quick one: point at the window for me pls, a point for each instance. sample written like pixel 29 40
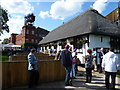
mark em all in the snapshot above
pixel 33 32
pixel 23 32
pixel 27 32
pixel 117 11
pixel 32 40
pixel 36 41
pixel 117 15
pixel 27 40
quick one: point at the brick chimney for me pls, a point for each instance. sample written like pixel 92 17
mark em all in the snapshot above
pixel 13 38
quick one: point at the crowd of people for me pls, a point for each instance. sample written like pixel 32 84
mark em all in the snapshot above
pixel 107 62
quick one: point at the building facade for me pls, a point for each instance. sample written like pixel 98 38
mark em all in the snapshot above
pixel 29 34
pixel 114 15
pixel 86 31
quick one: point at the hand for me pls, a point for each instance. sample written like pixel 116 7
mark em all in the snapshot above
pixel 33 66
pixel 103 68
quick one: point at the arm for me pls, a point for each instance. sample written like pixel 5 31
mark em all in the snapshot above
pixel 71 58
pixel 31 60
pixel 117 62
pixel 103 63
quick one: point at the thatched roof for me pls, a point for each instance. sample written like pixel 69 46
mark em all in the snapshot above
pixel 89 22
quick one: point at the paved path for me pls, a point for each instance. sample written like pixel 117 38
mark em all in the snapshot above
pixel 78 83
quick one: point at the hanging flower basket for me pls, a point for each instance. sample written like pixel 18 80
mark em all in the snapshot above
pixel 60 44
pixel 54 44
pixel 81 41
pixel 71 42
pixel 64 43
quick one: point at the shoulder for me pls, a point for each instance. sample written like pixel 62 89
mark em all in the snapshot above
pixel 86 56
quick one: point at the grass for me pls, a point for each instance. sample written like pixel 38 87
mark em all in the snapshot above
pixel 5 58
pixel 118 75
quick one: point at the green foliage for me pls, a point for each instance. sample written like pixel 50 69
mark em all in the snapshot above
pixel 81 41
pixel 3 20
pixel 5 58
pixel 118 75
pixel 5 41
pixel 29 45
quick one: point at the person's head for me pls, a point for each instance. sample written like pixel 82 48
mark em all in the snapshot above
pixel 32 50
pixel 89 51
pixel 102 49
pixel 93 49
pixel 111 49
pixel 67 46
pixel 75 56
pixel 59 51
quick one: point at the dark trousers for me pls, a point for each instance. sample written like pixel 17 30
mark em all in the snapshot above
pixel 76 68
pixel 113 79
pixel 99 67
pixel 33 78
pixel 88 74
pixel 68 70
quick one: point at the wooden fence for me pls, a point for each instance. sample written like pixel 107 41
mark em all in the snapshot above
pixel 15 73
pixel 23 56
pixel 15 58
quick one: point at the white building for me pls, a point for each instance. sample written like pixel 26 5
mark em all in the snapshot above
pixel 86 31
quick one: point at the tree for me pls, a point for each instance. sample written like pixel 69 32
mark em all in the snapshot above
pixel 3 20
pixel 6 41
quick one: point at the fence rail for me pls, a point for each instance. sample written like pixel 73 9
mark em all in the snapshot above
pixel 13 58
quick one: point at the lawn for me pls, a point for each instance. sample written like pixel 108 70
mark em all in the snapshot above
pixel 118 75
pixel 5 58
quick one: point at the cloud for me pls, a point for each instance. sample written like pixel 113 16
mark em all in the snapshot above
pixel 17 9
pixel 62 9
pixel 44 14
pixel 15 26
pixel 100 5
pixel 17 6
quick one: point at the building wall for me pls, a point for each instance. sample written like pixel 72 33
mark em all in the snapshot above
pixel 30 34
pixel 20 39
pixel 99 41
pixel 114 15
pixel 13 38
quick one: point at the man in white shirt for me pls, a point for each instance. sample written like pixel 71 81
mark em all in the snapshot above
pixel 109 64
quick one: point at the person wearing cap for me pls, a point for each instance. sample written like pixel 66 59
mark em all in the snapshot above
pixel 66 58
pixel 33 69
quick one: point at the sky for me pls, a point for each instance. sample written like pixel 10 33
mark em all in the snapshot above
pixel 50 13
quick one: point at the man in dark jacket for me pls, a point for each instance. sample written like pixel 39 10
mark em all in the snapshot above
pixel 101 54
pixel 66 58
pixel 33 69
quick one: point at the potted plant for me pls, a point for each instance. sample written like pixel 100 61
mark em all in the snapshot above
pixel 71 42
